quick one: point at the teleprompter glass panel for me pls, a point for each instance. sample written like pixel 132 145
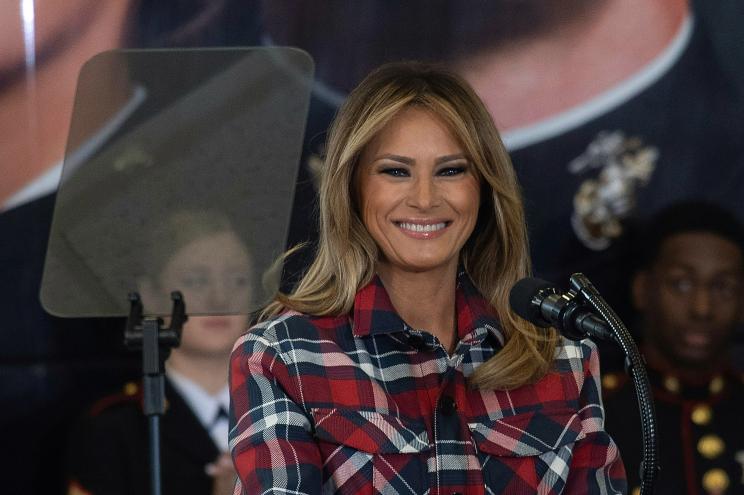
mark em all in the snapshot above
pixel 179 174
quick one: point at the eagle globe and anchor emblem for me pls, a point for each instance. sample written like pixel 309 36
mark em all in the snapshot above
pixel 624 164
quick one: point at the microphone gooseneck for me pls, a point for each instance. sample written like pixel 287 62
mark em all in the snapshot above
pixel 635 366
pixel 573 314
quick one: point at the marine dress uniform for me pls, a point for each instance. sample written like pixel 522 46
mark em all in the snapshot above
pixel 109 448
pixel 701 432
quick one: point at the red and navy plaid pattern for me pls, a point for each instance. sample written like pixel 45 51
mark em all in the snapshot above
pixel 368 405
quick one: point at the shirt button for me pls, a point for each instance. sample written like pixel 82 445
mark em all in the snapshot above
pixel 448 405
pixel 456 493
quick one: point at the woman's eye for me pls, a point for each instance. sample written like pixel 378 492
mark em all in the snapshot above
pixel 395 171
pixel 451 171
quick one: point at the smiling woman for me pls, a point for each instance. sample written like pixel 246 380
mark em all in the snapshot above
pixel 415 184
pixel 390 366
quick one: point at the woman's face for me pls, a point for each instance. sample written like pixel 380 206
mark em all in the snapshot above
pixel 418 193
pixel 214 274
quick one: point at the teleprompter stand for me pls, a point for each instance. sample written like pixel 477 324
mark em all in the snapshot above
pixel 155 341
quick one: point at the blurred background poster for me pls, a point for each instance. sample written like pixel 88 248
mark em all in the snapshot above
pixel 611 109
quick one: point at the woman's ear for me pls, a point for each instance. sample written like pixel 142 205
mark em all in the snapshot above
pixel 640 290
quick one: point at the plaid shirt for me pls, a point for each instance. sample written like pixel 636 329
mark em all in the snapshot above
pixel 369 405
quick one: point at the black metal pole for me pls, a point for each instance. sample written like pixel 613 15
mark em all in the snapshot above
pixel 154 394
pixel 155 342
pixel 154 440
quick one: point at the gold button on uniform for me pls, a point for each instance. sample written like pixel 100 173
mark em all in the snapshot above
pixel 701 414
pixel 716 385
pixel 715 481
pixel 636 491
pixel 711 446
pixel 671 383
pixel 130 388
pixel 610 381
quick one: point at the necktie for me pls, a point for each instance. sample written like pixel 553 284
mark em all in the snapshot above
pixel 219 428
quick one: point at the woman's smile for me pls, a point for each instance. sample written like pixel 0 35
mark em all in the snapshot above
pixel 422 229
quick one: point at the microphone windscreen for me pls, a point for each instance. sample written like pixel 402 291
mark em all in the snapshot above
pixel 520 299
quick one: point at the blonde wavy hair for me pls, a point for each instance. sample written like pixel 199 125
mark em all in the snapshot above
pixel 496 254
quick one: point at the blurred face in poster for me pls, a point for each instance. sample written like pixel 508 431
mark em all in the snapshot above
pixel 348 39
pixel 527 59
pixel 34 31
pixel 45 42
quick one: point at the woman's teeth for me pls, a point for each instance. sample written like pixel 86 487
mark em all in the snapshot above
pixel 417 227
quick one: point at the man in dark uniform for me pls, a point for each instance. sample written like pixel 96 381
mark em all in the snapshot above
pixel 109 454
pixel 108 451
pixel 688 291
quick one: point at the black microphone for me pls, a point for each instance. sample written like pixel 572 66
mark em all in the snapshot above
pixel 544 305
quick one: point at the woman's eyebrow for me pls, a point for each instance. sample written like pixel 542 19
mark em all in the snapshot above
pixel 450 158
pixel 410 161
pixel 396 158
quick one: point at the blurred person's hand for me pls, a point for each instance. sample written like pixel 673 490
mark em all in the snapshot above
pixel 223 474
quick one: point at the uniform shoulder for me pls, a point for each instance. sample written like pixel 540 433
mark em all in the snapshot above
pixel 128 398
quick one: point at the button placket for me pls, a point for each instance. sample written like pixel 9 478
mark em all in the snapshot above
pixel 448 434
pixel 447 405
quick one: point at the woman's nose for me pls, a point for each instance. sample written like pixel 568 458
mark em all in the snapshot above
pixel 424 194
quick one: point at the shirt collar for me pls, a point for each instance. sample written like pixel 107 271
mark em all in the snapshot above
pixel 204 405
pixel 374 312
